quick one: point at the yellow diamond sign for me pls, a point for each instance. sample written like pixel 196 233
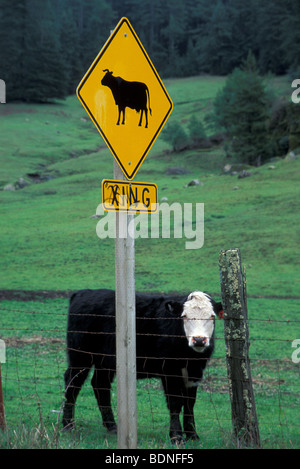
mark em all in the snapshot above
pixel 125 98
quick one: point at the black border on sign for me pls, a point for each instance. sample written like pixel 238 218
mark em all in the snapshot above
pixel 124 20
pixel 129 183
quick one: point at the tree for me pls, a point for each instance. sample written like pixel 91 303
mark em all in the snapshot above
pixel 272 56
pixel 95 20
pixel 44 74
pixel 175 135
pixel 30 60
pixel 197 133
pixel 290 34
pixel 70 51
pixel 12 38
pixel 218 54
pixel 241 108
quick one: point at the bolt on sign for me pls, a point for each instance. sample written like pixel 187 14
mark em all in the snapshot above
pixel 125 98
pixel 125 196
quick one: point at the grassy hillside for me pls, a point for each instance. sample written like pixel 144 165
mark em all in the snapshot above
pixel 48 238
pixel 49 242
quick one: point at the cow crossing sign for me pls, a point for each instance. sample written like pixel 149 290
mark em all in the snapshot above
pixel 125 98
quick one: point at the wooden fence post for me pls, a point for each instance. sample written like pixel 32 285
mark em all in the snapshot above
pixel 233 287
pixel 2 413
pixel 2 360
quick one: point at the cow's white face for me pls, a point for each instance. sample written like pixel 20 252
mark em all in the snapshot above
pixel 198 315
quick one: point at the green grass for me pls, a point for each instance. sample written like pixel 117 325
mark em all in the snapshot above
pixel 47 229
pixel 63 129
pixel 49 242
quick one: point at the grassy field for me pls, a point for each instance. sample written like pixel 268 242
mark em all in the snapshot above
pixel 49 244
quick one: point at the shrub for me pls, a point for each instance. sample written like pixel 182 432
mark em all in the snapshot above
pixel 175 135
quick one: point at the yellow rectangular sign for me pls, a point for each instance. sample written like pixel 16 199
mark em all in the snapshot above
pixel 126 196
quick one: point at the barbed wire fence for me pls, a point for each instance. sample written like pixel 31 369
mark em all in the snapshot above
pixel 33 387
pixel 33 390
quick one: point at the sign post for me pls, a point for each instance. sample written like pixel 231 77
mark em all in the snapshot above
pixel 129 105
pixel 125 329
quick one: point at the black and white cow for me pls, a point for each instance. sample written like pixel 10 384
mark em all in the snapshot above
pixel 175 339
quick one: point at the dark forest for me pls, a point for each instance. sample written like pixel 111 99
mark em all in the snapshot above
pixel 47 45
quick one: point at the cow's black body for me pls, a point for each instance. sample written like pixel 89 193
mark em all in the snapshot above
pixel 162 352
pixel 132 94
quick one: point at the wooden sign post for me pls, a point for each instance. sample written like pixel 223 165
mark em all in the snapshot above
pixel 125 329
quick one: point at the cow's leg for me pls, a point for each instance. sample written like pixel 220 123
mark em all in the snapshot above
pixel 119 116
pixel 101 383
pixel 175 402
pixel 121 111
pixel 188 418
pixel 74 379
pixel 141 117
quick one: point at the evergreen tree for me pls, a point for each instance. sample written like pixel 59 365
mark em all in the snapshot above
pixel 12 38
pixel 173 36
pixel 44 70
pixel 269 39
pixel 290 35
pixel 95 21
pixel 70 51
pixel 197 132
pixel 241 108
pixel 218 54
pixel 175 135
pixel 149 20
pixel 30 56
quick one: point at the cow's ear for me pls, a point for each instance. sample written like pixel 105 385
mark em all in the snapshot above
pixel 218 308
pixel 174 307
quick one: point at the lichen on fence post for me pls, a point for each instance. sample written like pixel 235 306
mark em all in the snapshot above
pixel 233 288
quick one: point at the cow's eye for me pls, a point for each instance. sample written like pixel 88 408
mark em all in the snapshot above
pixel 183 315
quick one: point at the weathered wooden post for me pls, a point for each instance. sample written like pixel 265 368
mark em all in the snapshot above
pixel 125 329
pixel 233 287
pixel 2 360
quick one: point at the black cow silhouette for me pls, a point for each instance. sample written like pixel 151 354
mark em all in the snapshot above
pixel 131 94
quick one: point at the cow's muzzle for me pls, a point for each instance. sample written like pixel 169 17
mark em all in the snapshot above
pixel 199 341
